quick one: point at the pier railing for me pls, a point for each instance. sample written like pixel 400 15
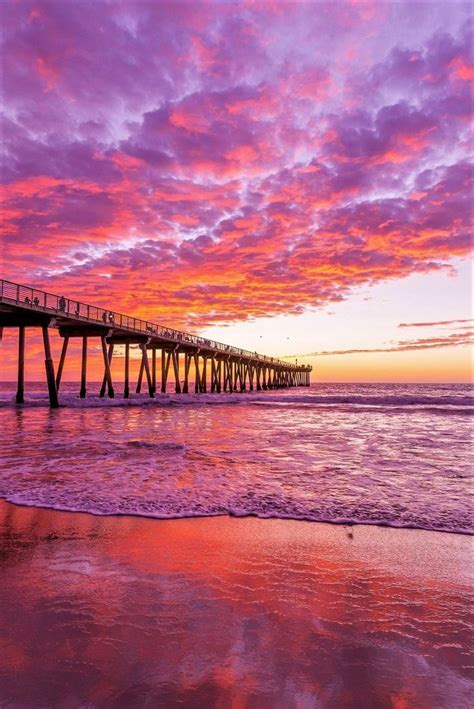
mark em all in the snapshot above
pixel 42 301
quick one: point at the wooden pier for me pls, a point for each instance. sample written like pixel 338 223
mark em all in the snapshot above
pixel 223 367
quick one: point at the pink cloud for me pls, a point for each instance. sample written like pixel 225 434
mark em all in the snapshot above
pixel 233 160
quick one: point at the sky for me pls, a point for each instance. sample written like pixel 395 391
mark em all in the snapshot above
pixel 292 178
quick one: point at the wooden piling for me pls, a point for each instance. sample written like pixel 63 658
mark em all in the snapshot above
pixel 165 365
pixel 20 389
pixel 214 374
pixel 230 368
pixel 204 375
pixel 225 372
pixel 197 379
pixel 147 370
pixel 82 392
pixel 243 376
pixel 62 359
pixel 153 369
pixel 224 377
pixel 140 376
pixel 187 367
pixel 107 381
pixel 49 367
pixel 126 386
pixel 175 357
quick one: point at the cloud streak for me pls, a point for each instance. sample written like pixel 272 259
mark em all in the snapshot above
pixel 453 340
pixel 436 323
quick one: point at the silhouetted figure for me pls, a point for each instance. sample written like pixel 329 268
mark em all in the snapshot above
pixel 62 303
pixel 36 301
pixel 78 309
pixel 111 317
pixel 27 300
pixel 104 316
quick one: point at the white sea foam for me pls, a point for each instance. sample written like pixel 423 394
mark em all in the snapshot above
pixel 270 398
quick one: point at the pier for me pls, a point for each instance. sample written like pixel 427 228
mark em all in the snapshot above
pixel 216 367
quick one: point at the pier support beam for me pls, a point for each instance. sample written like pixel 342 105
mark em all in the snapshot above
pixel 187 366
pixel 20 389
pixel 215 379
pixel 175 357
pixel 49 367
pixel 204 375
pixel 146 367
pixel 165 365
pixel 82 392
pixel 243 379
pixel 213 374
pixel 228 375
pixel 140 376
pixel 153 369
pixel 107 380
pixel 126 385
pixel 197 374
pixel 62 359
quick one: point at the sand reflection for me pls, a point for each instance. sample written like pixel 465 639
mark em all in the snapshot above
pixel 125 611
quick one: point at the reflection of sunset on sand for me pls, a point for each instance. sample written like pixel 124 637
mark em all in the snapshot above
pixel 209 613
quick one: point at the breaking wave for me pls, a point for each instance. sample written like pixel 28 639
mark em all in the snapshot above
pixel 448 404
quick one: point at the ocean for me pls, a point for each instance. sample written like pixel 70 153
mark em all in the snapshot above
pixel 377 454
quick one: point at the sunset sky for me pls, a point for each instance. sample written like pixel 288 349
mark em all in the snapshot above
pixel 291 178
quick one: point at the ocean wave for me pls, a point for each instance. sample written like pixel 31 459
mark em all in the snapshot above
pixel 160 446
pixel 448 404
pixel 164 514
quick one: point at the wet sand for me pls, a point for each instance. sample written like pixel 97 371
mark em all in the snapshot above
pixel 225 612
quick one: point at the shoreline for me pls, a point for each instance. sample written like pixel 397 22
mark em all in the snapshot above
pixel 337 523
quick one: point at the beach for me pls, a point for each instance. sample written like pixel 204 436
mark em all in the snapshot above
pixel 177 551
pixel 125 611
